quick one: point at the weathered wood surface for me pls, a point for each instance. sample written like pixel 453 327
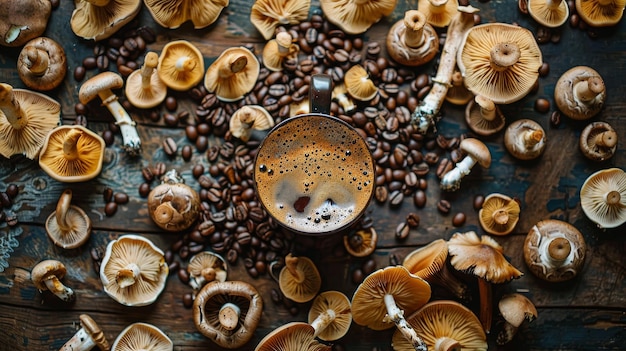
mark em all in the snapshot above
pixel 587 313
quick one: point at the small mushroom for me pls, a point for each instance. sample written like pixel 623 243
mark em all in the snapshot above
pixel 28 117
pixel 42 64
pixel 21 21
pixel 133 271
pixel 233 74
pixel 340 94
pixel 499 214
pixel 299 280
pixel 102 85
pixel 515 309
pixel 483 116
pixel 360 243
pixel 173 205
pixel 457 93
pixel 294 336
pixel 181 65
pixel 47 275
pixel 267 15
pixel 359 85
pixel 228 312
pixel 171 14
pixel 603 197
pixel 549 13
pixel 412 41
pixel 330 315
pixel 525 139
pixel 142 337
pixel 68 226
pixel 144 88
pixel 72 153
pixel 205 267
pixel 356 17
pixel 438 13
pixel 250 118
pixel 279 49
pixel 87 337
pixel 580 93
pixel 99 19
pixel 477 152
pixel 598 141
pixel 600 13
pixel 385 296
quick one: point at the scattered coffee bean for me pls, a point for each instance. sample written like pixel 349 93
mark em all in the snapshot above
pixel 110 208
pixel 459 219
pixel 542 105
pixel 555 119
pixel 120 198
pixel 444 206
pixel 478 202
pixel 402 231
pixel 169 146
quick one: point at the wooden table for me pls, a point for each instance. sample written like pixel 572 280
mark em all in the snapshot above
pixel 587 313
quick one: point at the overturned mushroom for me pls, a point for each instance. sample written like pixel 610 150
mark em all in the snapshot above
pixel 233 74
pixel 142 337
pixel 412 41
pixel 580 93
pixel 476 152
pixel 181 65
pixel 355 17
pixel 87 337
pixel 42 64
pixel 525 139
pixel 457 92
pixel 294 336
pixel 99 19
pixel 483 116
pixel 171 14
pixel 361 242
pixel 299 280
pixel 438 13
pixel 205 267
pixel 250 118
pixel 359 85
pixel 330 315
pixel 515 309
pixel 499 214
pixel 598 141
pixel 600 13
pixel 144 88
pixel 173 205
pixel 68 226
pixel 603 197
pixel 267 15
pixel 549 13
pixel 279 49
pixel 21 21
pixel 47 275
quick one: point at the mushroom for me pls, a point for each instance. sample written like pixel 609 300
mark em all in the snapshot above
pixel 457 92
pixel 47 275
pixel 87 337
pixel 603 197
pixel 580 93
pixel 72 153
pixel 181 65
pixel 340 94
pixel 598 141
pixel 330 315
pixel 250 118
pixel 482 257
pixel 483 116
pixel 42 64
pixel 500 61
pixel 549 13
pixel 445 326
pixel 429 263
pixel 233 74
pixel 600 13
pixel 476 152
pixel 359 85
pixel 299 280
pixel 144 88
pixel 21 21
pixel 525 139
pixel 294 336
pixel 99 19
pixel 101 85
pixel 133 270
pixel 355 17
pixel 142 337
pixel 361 242
pixel 205 267
pixel 515 309
pixel 438 13
pixel 171 14
pixel 26 117
pixel 267 15
pixel 385 296
pixel 412 41
pixel 228 312
pixel 68 226
pixel 499 214
pixel 277 50
pixel 173 205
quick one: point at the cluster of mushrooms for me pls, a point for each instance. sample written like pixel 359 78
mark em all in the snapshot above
pixel 481 67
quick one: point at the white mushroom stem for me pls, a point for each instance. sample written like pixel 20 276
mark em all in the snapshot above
pixel 531 137
pixel 185 64
pixel 63 207
pixel 323 320
pixel 588 89
pixel 11 108
pixel 447 344
pixel 229 316
pixel 396 315
pixel 452 179
pixel 486 309
pixel 81 341
pixel 36 60
pixel 128 275
pixel 414 21
pixel 59 289
pixel 427 113
pixel 130 137
pixel 606 139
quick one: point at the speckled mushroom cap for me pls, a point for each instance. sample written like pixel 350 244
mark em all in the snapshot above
pixel 21 21
pixel 42 64
pixel 549 13
pixel 266 15
pixel 294 336
pixel 173 205
pixel 355 17
pixel 68 226
pixel 525 139
pixel 603 197
pixel 580 93
pixel 598 141
pixel 598 13
pixel 97 20
pixel 438 13
pixel 171 14
pixel 181 65
pixel 142 336
pixel 499 214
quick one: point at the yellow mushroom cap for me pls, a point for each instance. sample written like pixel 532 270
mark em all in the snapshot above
pixel 144 88
pixel 597 13
pixel 499 214
pixel 355 17
pixel 93 22
pixel 294 336
pixel 171 14
pixel 299 280
pixel 266 15
pixel 428 260
pixel 68 226
pixel 331 307
pixel 549 13
pixel 181 65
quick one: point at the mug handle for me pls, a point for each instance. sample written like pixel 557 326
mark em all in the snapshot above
pixel 320 93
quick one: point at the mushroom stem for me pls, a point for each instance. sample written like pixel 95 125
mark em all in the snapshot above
pixel 504 55
pixel 447 344
pixel 57 288
pixel 36 60
pixel 486 297
pixel 452 179
pixel 63 208
pixel 164 213
pixel 414 21
pixel 11 107
pixel 506 334
pixel 130 137
pixel 427 113
pixel 606 139
pixel 487 107
pixel 587 90
pixel 70 144
pixel 283 41
pixel 396 315
pixel 323 320
pixel 185 64
pixel 229 316
pixel 149 64
pixel 500 216
pixel 613 198
pixel 291 263
pixel 128 275
pixel 559 249
pixel 532 137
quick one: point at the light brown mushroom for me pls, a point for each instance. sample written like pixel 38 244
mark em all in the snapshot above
pixel 457 93
pixel 299 280
pixel 340 94
pixel 598 141
pixel 133 271
pixel 21 21
pixel 330 315
pixel 525 139
pixel 171 14
pixel 600 13
pixel 580 93
pixel 205 267
pixel 483 116
pixel 27 118
pixel 233 74
pixel 99 19
pixel 267 15
pixel 515 309
pixel 279 49
pixel 144 88
pixel 294 336
pixel 476 152
pixel 355 17
pixel 173 205
pixel 181 65
pixel 360 243
pixel 68 226
pixel 412 41
pixel 439 13
pixel 499 214
pixel 89 335
pixel 359 85
pixel 549 13
pixel 42 64
pixel 248 119
pixel 72 153
pixel 142 336
pixel 47 275
pixel 603 197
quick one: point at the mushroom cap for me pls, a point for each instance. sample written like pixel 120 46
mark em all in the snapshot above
pixel 409 291
pixel 518 146
pixel 100 82
pixel 499 214
pixel 21 21
pixel 554 250
pixel 41 113
pixel 207 260
pixel 46 269
pixel 364 245
pixel 129 250
pixel 171 14
pixel 94 331
pixel 247 118
pixel 598 141
pixel 68 226
pixel 566 98
pixel 304 285
pixel 294 336
pixel 438 13
pixel 173 205
pixel 181 65
pixel 549 13
pixel 603 197
pixel 148 96
pixel 427 261
pixel 515 308
pixel 477 150
pixel 266 15
pixel 477 121
pixel 399 45
pixel 94 22
pixel 359 85
pixel 458 94
pixel 598 13
pixel 444 319
pixel 55 70
pixel 233 74
pixel 72 153
pixel 340 305
pixel 482 257
pixel 355 17
pixel 501 82
pixel 142 336
pixel 208 304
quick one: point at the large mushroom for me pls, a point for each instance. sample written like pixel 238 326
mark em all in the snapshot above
pixel 385 296
pixel 173 205
pixel 499 214
pixel 233 74
pixel 89 335
pixel 144 88
pixel 68 226
pixel 21 21
pixel 228 312
pixel 205 267
pixel 26 117
pixel 515 309
pixel 181 65
pixel 299 280
pixel 580 93
pixel 483 116
pixel 142 337
pixel 171 14
pixel 598 141
pixel 525 139
pixel 42 64
pixel 438 13
pixel 356 16
pixel 600 13
pixel 47 275
pixel 603 197
pixel 248 119
pixel 412 41
pixel 99 19
pixel 294 336
pixel 330 315
pixel 476 152
pixel 267 15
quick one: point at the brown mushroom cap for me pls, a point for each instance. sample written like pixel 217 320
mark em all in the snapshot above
pixel 21 21
pixel 514 308
pixel 294 336
pixel 525 139
pixel 233 74
pixel 330 312
pixel 598 141
pixel 90 89
pixel 598 13
pixel 477 150
pixel 603 197
pixel 361 243
pixel 144 88
pixel 171 14
pixel 483 116
pixel 411 41
pixel 42 64
pixel 266 15
pixel 500 61
pixel 299 280
pixel 97 20
pixel 499 214
pixel 248 118
pixel 549 13
pixel 359 85
pixel 438 13
pixel 355 17
pixel 68 226
pixel 173 205
pixel 142 336
pixel 205 267
pixel 181 65
pixel 580 93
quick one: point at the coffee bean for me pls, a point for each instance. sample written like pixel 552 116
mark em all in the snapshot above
pixel 107 194
pixel 169 146
pixel 144 189
pixel 102 62
pixel 12 190
pixel 368 266
pixel 419 198
pixel 202 143
pixel 170 120
pixel 396 198
pixel 183 274
pixel 187 300
pixel 159 169
pixel 459 219
pixel 357 276
pixel 413 220
pixel 542 105
pixel 444 206
pixel 108 137
pixel 120 198
pixel 478 202
pixel 110 208
pixel 544 70
pixel 79 73
pixel 555 119
pixel 381 194
pixel 186 152
pixel 402 231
